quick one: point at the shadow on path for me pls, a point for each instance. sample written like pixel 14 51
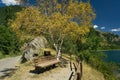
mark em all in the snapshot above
pixel 42 70
pixel 7 72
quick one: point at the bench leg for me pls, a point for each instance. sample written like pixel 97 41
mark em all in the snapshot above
pixel 53 66
pixel 38 69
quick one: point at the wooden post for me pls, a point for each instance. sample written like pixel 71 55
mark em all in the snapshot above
pixel 70 62
pixel 75 67
pixel 71 76
pixel 78 76
pixel 78 69
pixel 81 68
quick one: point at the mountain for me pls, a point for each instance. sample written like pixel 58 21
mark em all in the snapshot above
pixel 112 41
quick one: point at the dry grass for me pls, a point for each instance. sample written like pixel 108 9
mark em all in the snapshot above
pixel 23 72
pixel 91 74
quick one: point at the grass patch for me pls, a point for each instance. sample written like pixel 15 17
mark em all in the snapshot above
pixel 10 55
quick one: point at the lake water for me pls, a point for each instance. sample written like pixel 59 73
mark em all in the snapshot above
pixel 113 55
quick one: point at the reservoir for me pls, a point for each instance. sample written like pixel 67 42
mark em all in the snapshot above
pixel 112 56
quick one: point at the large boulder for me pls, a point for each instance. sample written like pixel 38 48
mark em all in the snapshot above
pixel 32 48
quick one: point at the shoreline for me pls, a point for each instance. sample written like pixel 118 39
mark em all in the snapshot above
pixel 110 50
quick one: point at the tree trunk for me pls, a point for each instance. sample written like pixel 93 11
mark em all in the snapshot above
pixel 70 62
pixel 58 49
pixel 58 54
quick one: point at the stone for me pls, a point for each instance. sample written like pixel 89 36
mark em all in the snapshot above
pixel 32 48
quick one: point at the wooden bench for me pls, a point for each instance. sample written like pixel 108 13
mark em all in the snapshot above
pixel 43 62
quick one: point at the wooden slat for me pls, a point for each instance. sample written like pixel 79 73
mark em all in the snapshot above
pixel 71 75
pixel 48 63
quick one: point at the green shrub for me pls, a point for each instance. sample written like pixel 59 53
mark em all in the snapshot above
pixel 96 60
pixel 8 41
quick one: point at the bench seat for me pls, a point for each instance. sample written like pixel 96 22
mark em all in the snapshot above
pixel 48 63
pixel 43 62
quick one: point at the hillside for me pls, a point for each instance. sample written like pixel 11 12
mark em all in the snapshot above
pixel 7 13
pixel 84 48
pixel 9 44
pixel 112 41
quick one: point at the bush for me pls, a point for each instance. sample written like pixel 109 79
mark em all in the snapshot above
pixel 96 60
pixel 8 41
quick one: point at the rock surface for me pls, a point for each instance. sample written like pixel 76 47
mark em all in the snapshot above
pixel 32 48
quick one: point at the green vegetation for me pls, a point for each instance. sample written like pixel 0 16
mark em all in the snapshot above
pixel 54 21
pixel 95 41
pixel 7 13
pixel 88 52
pixel 113 41
pixel 67 31
pixel 9 44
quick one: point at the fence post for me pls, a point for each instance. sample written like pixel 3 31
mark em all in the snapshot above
pixel 70 62
pixel 81 68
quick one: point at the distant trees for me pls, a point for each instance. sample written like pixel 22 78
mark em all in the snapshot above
pixel 7 13
pixel 8 42
pixel 113 40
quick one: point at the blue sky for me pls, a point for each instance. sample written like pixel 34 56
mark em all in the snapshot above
pixel 108 15
pixel 107 11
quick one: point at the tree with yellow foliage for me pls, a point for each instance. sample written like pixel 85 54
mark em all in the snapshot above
pixel 58 21
pixel 27 23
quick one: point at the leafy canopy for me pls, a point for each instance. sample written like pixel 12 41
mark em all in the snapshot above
pixel 55 20
pixel 59 20
pixel 27 23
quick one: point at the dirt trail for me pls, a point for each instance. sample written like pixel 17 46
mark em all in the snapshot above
pixel 7 65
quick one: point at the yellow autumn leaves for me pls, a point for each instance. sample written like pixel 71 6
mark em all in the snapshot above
pixel 27 22
pixel 31 22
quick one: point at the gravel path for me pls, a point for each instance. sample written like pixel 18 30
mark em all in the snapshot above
pixel 7 65
pixel 25 72
pixel 57 74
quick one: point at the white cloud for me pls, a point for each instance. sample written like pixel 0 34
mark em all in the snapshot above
pixel 10 2
pixel 95 26
pixel 102 28
pixel 115 30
